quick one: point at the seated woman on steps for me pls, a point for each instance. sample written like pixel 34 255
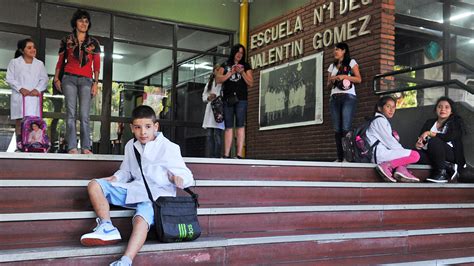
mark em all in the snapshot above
pixel 440 142
pixel 389 155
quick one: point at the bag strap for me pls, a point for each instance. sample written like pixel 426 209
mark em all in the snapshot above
pixel 139 160
pixel 150 196
pixel 376 143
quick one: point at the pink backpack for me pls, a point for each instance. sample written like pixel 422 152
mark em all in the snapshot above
pixel 33 132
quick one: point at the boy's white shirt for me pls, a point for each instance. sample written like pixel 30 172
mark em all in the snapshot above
pixel 161 159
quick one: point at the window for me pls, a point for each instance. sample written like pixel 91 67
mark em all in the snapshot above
pixel 58 17
pixel 143 31
pixel 134 62
pixel 462 17
pixel 21 12
pixel 200 40
pixel 425 9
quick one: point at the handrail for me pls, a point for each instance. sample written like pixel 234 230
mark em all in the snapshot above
pixel 424 86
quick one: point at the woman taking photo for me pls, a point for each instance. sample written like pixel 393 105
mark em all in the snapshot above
pixel 440 142
pixel 343 74
pixel 80 54
pixel 27 78
pixel 236 76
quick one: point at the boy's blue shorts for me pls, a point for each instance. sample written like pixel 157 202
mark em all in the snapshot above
pixel 117 195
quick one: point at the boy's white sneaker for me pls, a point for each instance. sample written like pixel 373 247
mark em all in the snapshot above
pixel 103 234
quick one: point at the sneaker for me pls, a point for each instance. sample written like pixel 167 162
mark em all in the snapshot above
pixel 439 177
pixel 402 174
pixel 124 261
pixel 452 170
pixel 385 170
pixel 103 234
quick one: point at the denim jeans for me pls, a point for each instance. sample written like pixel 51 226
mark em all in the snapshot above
pixel 239 110
pixel 214 142
pixel 343 107
pixel 73 87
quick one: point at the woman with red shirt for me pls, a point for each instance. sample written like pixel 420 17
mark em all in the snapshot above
pixel 81 55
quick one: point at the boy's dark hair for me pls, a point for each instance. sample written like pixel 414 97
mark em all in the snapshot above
pixel 347 55
pixel 143 111
pixel 20 46
pixel 383 101
pixel 78 15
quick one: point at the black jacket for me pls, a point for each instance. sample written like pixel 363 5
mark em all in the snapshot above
pixel 453 134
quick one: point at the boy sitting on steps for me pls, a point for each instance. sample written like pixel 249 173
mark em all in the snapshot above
pixel 164 169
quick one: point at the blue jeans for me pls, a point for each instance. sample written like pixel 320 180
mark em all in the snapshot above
pixel 343 107
pixel 214 142
pixel 73 87
pixel 239 110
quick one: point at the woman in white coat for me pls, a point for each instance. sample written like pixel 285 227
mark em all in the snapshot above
pixel 389 155
pixel 214 130
pixel 27 78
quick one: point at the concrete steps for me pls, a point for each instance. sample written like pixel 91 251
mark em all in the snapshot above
pixel 252 212
pixel 369 248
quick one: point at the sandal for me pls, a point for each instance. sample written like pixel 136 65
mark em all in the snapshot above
pixel 87 151
pixel 73 151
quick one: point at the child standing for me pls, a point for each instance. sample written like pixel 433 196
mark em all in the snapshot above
pixel 27 77
pixel 164 169
pixel 389 155
pixel 212 90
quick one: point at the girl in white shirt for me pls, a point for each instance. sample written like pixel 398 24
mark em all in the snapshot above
pixel 342 76
pixel 214 130
pixel 27 78
pixel 389 155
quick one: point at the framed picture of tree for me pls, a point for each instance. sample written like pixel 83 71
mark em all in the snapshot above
pixel 291 94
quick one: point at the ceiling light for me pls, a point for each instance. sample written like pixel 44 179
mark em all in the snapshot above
pixel 114 56
pixel 461 16
pixel 203 65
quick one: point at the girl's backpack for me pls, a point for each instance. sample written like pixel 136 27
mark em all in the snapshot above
pixel 356 145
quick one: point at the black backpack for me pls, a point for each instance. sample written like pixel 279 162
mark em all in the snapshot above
pixel 356 145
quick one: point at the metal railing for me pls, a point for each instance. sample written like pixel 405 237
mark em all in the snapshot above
pixel 429 83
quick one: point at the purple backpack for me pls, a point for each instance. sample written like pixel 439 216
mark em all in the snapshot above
pixel 33 132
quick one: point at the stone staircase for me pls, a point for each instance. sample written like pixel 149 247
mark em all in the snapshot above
pixel 252 212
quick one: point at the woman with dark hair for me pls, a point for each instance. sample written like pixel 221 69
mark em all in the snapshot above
pixel 389 155
pixel 236 76
pixel 440 142
pixel 343 74
pixel 27 78
pixel 81 55
pixel 214 129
